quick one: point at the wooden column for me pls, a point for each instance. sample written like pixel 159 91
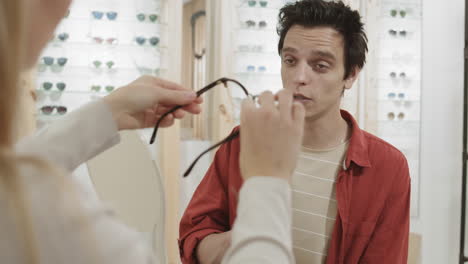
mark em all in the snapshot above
pixel 220 58
pixel 169 139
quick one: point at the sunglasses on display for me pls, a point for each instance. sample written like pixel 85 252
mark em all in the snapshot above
pixel 253 3
pixel 250 24
pixel 98 88
pixel 394 75
pixel 210 86
pixel 149 71
pixel 109 41
pixel 98 15
pixel 391 116
pixel 42 94
pixel 63 37
pixel 395 12
pixel 395 95
pixel 250 48
pixel 47 86
pixel 154 41
pixel 402 33
pixel 142 17
pixel 49 109
pixel 49 61
pixel 251 68
pixel 97 64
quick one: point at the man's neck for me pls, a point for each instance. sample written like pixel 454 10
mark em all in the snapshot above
pixel 327 131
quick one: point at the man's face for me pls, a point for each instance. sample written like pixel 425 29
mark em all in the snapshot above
pixel 313 68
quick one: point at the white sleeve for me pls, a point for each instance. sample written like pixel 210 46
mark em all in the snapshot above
pixel 117 242
pixel 74 227
pixel 262 230
pixel 76 138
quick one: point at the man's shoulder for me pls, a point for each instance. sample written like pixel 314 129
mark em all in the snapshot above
pixel 382 151
pixel 388 163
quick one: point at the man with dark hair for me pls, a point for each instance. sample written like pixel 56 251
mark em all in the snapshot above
pixel 351 190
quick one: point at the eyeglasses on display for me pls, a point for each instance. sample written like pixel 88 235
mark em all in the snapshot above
pixel 98 15
pixel 47 86
pixel 97 64
pixel 252 68
pixel 153 41
pixel 109 41
pixel 396 12
pixel 393 116
pixel 98 88
pixel 251 24
pixel 151 17
pixel 250 48
pixel 402 75
pixel 401 33
pixel 253 3
pixel 63 36
pixel 393 95
pixel 49 61
pixel 49 109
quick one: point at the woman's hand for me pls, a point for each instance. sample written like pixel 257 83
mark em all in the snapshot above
pixel 141 103
pixel 271 135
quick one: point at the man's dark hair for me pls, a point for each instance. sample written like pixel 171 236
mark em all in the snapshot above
pixel 337 15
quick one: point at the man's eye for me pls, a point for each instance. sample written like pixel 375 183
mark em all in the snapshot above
pixel 288 61
pixel 322 66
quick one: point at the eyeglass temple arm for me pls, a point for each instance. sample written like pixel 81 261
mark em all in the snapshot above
pixel 223 81
pixel 155 131
pixel 199 93
pixel 227 139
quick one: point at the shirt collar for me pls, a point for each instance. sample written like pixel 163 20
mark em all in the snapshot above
pixel 358 150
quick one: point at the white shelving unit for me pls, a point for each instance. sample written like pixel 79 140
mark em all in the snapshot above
pixel 98 39
pixel 398 83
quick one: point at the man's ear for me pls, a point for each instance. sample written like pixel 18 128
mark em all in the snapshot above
pixel 349 81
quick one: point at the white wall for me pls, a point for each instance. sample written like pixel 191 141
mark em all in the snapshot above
pixel 442 127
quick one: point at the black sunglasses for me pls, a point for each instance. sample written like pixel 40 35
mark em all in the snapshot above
pixel 232 136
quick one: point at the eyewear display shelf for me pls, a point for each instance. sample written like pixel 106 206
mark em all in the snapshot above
pixel 98 47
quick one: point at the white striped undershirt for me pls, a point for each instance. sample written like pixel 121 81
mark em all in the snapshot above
pixel 314 202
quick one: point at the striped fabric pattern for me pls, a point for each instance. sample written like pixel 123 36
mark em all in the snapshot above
pixel 314 202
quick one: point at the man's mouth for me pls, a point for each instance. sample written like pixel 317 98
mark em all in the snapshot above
pixel 301 97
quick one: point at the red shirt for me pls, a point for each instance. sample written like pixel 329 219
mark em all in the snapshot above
pixel 372 191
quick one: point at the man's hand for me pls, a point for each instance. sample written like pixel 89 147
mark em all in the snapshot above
pixel 271 135
pixel 141 103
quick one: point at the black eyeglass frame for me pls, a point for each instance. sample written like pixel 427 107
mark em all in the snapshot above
pixel 208 87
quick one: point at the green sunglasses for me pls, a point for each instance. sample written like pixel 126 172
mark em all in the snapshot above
pixel 152 17
pixel 47 86
pixel 98 64
pixel 98 88
pixel 395 12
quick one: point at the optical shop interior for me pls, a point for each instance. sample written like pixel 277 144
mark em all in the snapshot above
pixel 381 172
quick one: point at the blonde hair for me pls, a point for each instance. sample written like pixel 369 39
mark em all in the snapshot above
pixel 12 33
pixel 12 48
